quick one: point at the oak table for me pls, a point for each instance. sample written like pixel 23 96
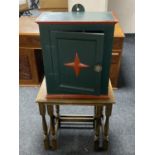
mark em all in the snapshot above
pixel 30 54
pixel 100 119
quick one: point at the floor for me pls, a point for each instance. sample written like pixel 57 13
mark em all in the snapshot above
pixel 80 141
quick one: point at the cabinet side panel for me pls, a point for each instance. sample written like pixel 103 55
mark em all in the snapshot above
pixel 109 31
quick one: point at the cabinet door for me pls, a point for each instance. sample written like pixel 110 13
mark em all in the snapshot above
pixel 76 60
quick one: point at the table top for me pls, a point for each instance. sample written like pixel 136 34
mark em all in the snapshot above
pixel 77 17
pixel 28 26
pixel 41 98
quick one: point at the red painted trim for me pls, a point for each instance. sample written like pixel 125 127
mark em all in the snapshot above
pixel 75 96
pixel 76 23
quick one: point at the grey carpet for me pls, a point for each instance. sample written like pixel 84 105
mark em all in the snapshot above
pixel 80 141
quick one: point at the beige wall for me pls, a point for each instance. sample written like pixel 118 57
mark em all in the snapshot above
pixel 125 11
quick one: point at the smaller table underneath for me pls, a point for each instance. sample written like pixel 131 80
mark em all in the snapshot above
pixel 100 119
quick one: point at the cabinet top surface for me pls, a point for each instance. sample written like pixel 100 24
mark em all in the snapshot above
pixel 76 17
pixel 28 26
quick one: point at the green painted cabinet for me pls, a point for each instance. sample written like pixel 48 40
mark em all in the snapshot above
pixel 77 49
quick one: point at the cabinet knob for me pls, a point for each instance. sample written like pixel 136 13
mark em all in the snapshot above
pixel 98 68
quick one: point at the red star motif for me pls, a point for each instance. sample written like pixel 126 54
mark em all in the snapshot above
pixel 76 65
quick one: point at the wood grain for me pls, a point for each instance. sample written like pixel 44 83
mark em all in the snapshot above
pixel 54 4
pixel 27 67
pixel 75 96
pixel 27 26
pixel 42 110
pixel 30 41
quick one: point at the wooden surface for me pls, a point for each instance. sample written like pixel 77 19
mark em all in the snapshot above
pixel 27 67
pixel 118 31
pixel 53 4
pixel 75 96
pixel 41 98
pixel 30 55
pixel 28 26
pixel 29 39
pixel 23 6
pixel 30 66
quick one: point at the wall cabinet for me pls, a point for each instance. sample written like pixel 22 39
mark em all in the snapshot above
pixel 77 50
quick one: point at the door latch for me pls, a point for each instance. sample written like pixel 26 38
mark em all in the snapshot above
pixel 98 68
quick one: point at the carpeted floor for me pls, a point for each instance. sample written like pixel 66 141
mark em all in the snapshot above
pixel 80 141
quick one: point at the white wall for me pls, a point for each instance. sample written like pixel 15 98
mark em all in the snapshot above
pixel 99 5
pixel 22 1
pixel 125 11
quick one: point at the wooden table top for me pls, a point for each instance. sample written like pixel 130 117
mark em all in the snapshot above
pixel 41 98
pixel 28 26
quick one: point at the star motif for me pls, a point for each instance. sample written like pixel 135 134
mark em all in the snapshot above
pixel 76 65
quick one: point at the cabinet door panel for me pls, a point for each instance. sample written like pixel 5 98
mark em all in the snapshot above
pixel 76 59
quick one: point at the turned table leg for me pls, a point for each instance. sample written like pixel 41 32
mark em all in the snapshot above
pixel 108 111
pixel 42 110
pixel 50 110
pixel 57 116
pixel 98 115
